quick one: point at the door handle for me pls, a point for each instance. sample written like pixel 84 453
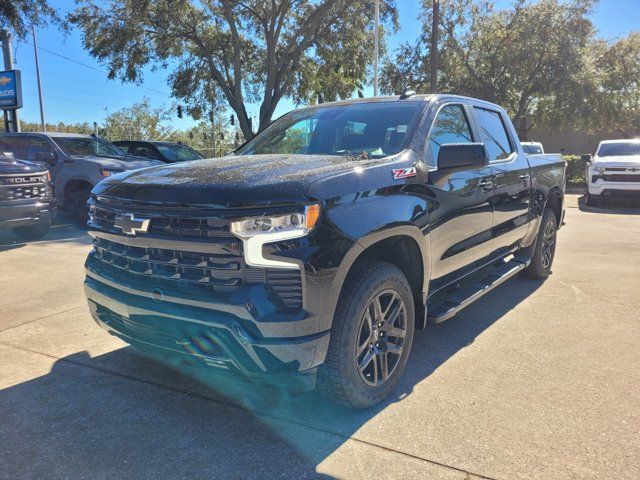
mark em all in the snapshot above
pixel 485 185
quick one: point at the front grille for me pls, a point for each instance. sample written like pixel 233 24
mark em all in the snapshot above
pixel 170 226
pixel 621 178
pixel 18 187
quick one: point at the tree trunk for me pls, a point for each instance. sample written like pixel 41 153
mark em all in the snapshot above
pixel 433 48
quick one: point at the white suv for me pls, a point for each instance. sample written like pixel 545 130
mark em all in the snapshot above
pixel 614 170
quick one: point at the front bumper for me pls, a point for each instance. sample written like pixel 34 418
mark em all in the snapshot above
pixel 242 333
pixel 23 214
pixel 604 187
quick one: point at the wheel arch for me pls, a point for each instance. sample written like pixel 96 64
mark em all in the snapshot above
pixel 397 246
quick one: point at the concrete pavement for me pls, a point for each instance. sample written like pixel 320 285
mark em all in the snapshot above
pixel 536 380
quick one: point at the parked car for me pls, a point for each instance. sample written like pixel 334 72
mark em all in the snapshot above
pixel 532 148
pixel 27 205
pixel 76 162
pixel 316 249
pixel 168 152
pixel 613 171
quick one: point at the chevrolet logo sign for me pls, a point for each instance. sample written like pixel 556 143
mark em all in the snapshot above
pixel 131 225
pixel 4 80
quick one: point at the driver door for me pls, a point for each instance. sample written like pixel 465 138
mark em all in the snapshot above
pixel 460 206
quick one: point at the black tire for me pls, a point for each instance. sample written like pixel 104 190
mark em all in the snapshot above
pixel 339 377
pixel 545 247
pixel 76 205
pixel 32 232
pixel 591 200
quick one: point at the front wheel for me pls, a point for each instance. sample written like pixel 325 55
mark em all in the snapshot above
pixel 545 247
pixel 371 336
pixel 591 200
pixel 76 205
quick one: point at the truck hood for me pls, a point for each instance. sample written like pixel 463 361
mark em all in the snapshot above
pixel 233 181
pixel 117 163
pixel 617 161
pixel 11 166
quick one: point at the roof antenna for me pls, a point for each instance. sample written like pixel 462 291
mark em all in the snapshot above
pixel 408 92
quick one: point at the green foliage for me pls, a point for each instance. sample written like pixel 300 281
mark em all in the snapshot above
pixel 531 58
pixel 242 51
pixel 19 15
pixel 576 170
pixel 56 127
pixel 138 122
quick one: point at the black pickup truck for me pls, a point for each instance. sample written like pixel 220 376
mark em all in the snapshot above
pixel 26 198
pixel 310 255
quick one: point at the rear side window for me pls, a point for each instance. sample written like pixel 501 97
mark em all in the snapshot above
pixel 450 126
pixel 16 146
pixel 124 147
pixel 493 134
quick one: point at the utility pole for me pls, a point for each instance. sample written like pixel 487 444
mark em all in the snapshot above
pixel 376 40
pixel 433 47
pixel 11 121
pixel 35 52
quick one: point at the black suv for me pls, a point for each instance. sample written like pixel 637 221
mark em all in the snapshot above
pixel 168 152
pixel 315 251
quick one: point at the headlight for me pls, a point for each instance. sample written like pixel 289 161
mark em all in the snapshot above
pixel 257 231
pixel 597 170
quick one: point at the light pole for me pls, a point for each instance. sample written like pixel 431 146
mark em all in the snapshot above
pixel 35 52
pixel 376 40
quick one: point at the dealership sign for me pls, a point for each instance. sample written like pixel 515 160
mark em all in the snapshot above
pixel 10 90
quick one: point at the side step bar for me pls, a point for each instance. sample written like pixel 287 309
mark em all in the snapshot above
pixel 467 294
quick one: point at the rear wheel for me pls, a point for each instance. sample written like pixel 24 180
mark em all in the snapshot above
pixel 32 232
pixel 545 248
pixel 371 336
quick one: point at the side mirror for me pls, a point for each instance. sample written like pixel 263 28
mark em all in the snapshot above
pixel 462 156
pixel 585 158
pixel 46 157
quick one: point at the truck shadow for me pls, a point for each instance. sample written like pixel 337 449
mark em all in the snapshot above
pixel 132 415
pixel 617 206
pixel 62 230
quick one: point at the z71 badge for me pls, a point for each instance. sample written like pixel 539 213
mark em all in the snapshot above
pixel 400 173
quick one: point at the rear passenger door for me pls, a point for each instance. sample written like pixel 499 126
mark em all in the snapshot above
pixel 511 177
pixel 460 210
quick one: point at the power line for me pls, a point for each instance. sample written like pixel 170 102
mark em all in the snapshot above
pixel 92 67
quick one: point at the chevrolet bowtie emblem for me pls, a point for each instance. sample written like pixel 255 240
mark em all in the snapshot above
pixel 131 225
pixel 4 80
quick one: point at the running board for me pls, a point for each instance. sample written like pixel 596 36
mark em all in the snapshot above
pixel 465 295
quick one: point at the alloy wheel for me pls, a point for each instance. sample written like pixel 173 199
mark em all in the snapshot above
pixel 381 337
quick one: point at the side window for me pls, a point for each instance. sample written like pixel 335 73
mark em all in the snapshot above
pixel 493 134
pixel 38 145
pixel 124 147
pixel 16 146
pixel 450 126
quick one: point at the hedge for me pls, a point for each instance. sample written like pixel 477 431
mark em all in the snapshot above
pixel 576 169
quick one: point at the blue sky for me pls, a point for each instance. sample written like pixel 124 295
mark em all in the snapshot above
pixel 75 93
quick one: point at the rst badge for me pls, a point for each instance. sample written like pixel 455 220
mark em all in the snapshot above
pixel 400 173
pixel 131 225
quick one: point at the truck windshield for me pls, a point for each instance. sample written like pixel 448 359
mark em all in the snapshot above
pixel 88 146
pixel 619 148
pixel 367 130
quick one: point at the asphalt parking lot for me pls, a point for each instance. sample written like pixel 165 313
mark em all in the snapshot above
pixel 536 380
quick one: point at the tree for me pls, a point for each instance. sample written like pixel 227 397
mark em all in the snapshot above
pixel 529 58
pixel 618 107
pixel 244 51
pixel 19 15
pixel 84 127
pixel 139 122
